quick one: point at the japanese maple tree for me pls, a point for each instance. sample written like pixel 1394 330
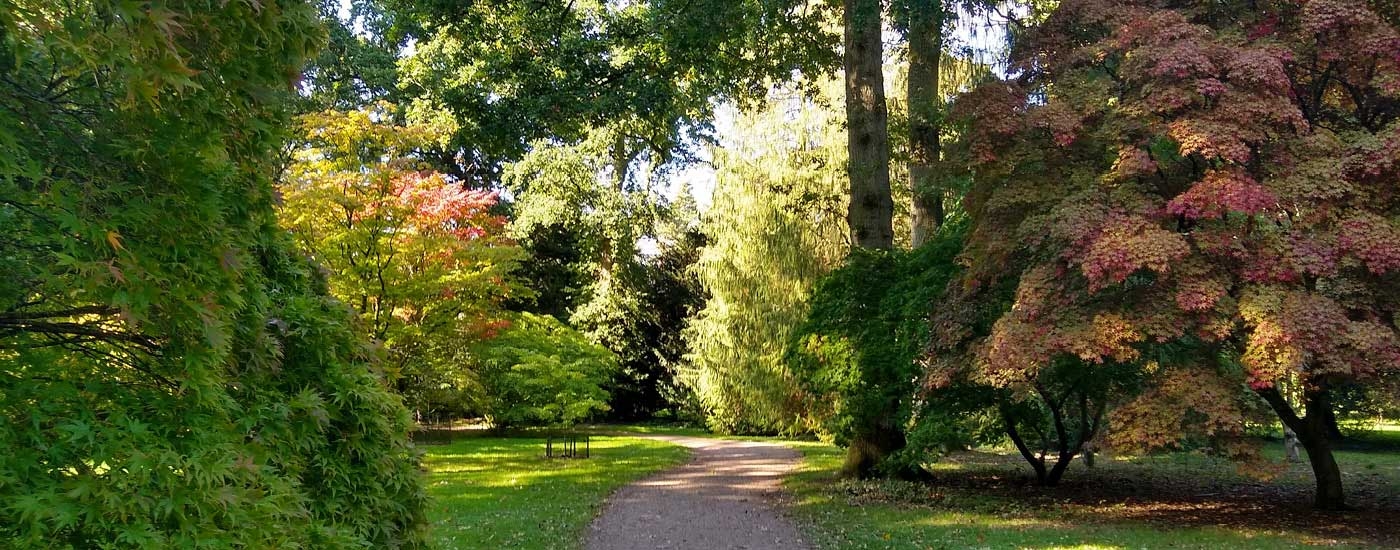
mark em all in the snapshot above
pixel 421 258
pixel 172 374
pixel 1204 190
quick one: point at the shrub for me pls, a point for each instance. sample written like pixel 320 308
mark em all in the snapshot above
pixel 856 351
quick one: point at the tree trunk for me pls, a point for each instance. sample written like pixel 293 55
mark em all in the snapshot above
pixel 871 211
pixel 925 38
pixel 1312 433
pixel 1037 463
pixel 1062 460
pixel 870 448
pixel 1329 419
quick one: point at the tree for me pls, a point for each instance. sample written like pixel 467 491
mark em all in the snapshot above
pixel 776 224
pixel 556 269
pixel 422 259
pixel 647 337
pixel 172 374
pixel 358 65
pixel 671 294
pixel 582 106
pixel 1213 177
pixel 923 22
pixel 933 74
pixel 511 74
pixel 540 372
pixel 595 193
pixel 871 212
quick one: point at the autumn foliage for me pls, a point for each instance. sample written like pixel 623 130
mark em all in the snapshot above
pixel 1206 190
pixel 422 259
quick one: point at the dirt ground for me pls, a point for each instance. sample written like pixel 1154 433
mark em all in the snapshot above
pixel 724 498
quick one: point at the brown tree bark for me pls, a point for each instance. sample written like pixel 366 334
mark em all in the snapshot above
pixel 871 211
pixel 1312 431
pixel 925 39
pixel 870 448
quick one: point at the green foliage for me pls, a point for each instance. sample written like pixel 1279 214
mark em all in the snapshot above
pixel 540 372
pixel 357 66
pixel 171 374
pixel 556 268
pixel 513 73
pixel 582 209
pixel 867 325
pixel 641 320
pixel 776 225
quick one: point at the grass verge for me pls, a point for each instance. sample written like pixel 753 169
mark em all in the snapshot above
pixel 493 492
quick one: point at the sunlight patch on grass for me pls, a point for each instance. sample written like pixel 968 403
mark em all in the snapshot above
pixel 491 492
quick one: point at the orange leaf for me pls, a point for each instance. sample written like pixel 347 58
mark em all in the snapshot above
pixel 115 239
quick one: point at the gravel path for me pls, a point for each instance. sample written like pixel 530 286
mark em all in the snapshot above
pixel 721 499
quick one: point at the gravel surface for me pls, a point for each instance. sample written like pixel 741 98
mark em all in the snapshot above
pixel 722 499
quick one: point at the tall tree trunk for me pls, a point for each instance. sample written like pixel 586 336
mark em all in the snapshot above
pixel 622 157
pixel 871 212
pixel 1312 433
pixel 925 38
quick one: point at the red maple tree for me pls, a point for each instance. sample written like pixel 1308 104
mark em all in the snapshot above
pixel 1206 190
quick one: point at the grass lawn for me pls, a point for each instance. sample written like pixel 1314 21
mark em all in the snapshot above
pixel 982 500
pixel 494 492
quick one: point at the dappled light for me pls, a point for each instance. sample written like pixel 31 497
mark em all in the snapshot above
pixel 494 492
pixel 699 274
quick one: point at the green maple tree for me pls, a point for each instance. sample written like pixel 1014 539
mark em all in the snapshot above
pixel 172 373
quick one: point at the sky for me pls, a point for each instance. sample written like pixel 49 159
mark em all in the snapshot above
pixel 976 33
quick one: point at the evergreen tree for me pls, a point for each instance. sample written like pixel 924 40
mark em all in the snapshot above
pixel 775 225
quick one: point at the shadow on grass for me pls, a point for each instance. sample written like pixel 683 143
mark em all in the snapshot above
pixel 989 500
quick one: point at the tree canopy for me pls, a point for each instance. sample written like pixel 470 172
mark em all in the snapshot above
pixel 171 372
pixel 251 245
pixel 1207 181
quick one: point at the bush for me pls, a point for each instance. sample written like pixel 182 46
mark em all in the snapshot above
pixel 856 351
pixel 172 375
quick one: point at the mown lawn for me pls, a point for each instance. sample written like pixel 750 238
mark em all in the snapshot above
pixel 984 500
pixel 493 492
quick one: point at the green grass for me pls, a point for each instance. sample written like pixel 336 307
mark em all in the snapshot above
pixel 500 493
pixel 859 515
pixel 492 492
